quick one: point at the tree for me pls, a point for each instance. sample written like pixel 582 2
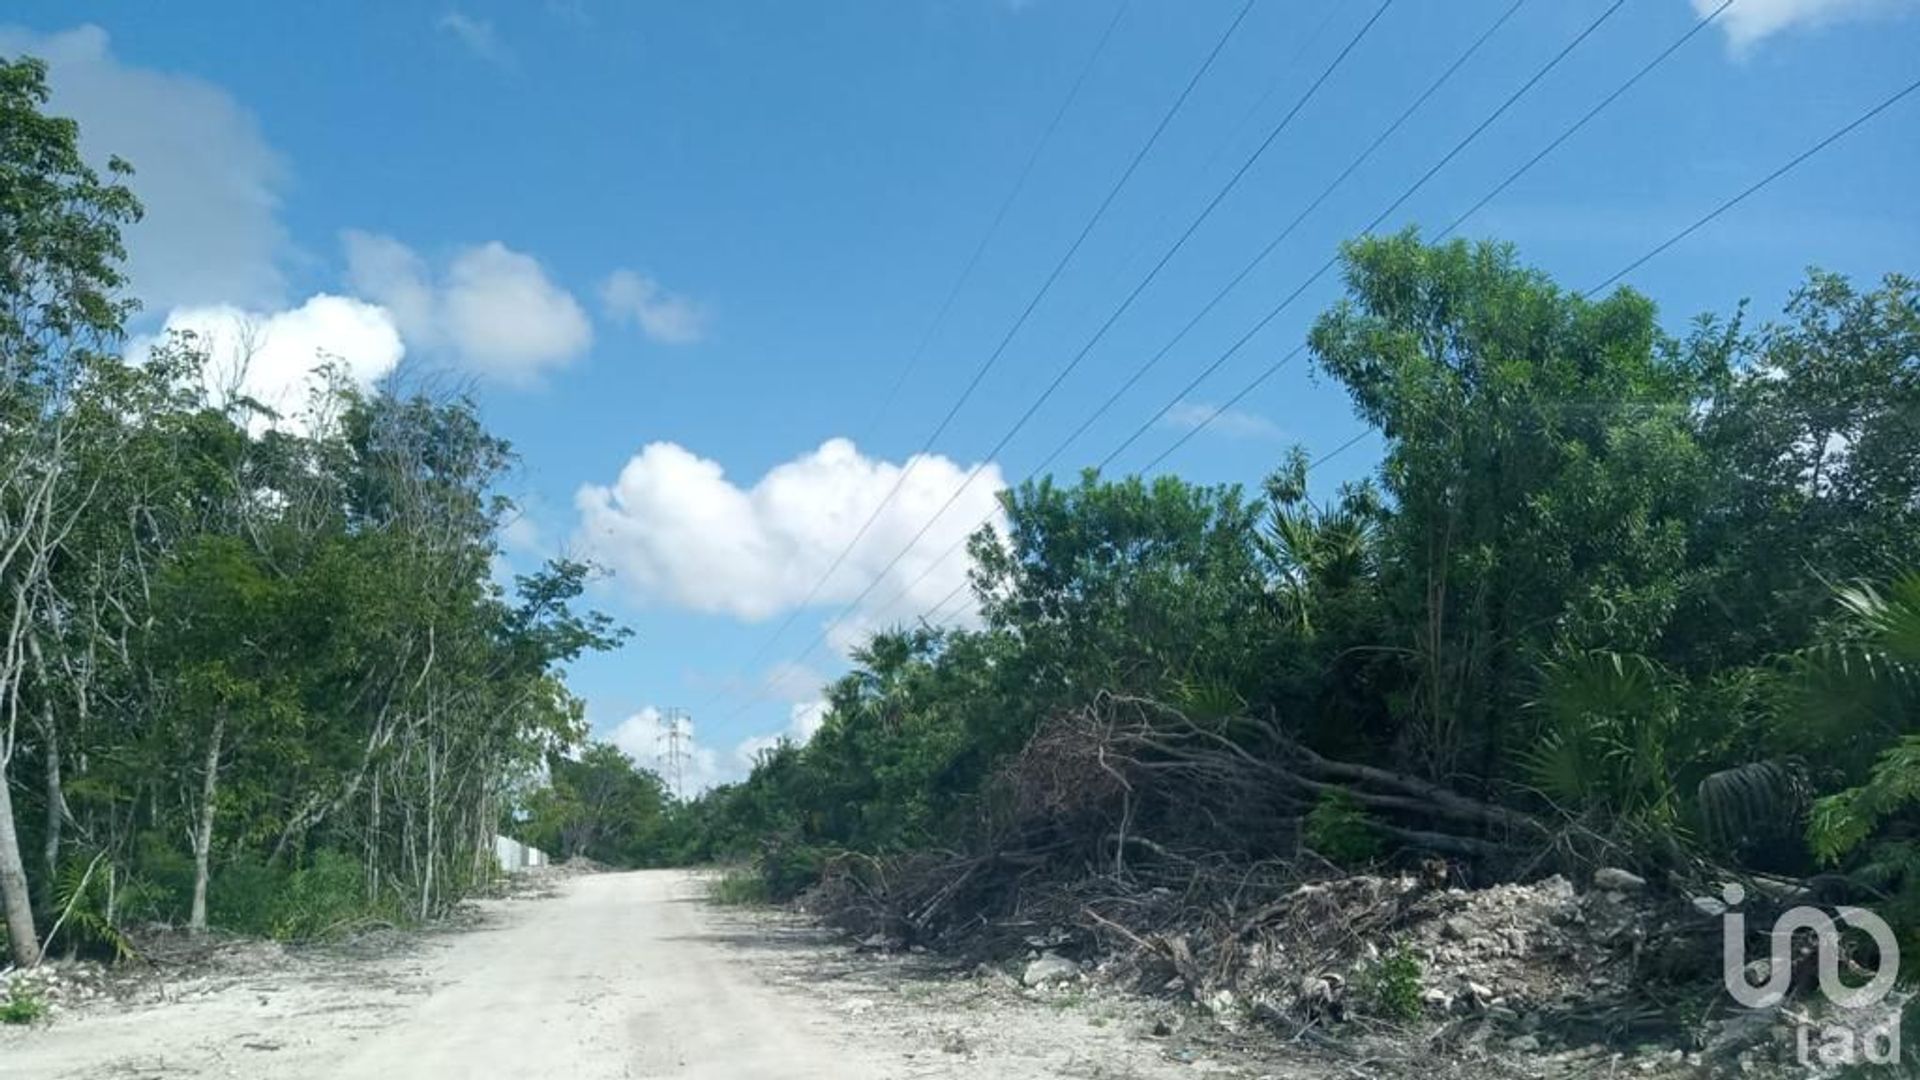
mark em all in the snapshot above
pixel 1540 469
pixel 600 806
pixel 1813 429
pixel 59 317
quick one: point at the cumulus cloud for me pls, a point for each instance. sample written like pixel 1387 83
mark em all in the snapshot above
pixel 642 736
pixel 477 35
pixel 210 183
pixel 1748 21
pixel 803 720
pixel 493 309
pixel 676 531
pixel 665 317
pixel 1187 415
pixel 272 357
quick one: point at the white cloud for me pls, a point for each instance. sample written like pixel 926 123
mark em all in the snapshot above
pixel 663 316
pixel 209 181
pixel 494 309
pixel 271 356
pixel 643 737
pixel 1187 415
pixel 1748 21
pixel 676 531
pixel 803 721
pixel 478 36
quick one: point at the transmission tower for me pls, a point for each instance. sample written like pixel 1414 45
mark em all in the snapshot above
pixel 676 731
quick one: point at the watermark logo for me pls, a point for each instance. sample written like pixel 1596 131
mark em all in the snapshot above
pixel 1832 1044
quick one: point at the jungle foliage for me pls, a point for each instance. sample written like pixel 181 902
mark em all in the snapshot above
pixel 255 671
pixel 1610 593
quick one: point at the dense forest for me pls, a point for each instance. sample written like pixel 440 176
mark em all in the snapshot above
pixel 254 669
pixel 1611 597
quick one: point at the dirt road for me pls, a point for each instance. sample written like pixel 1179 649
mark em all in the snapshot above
pixel 619 976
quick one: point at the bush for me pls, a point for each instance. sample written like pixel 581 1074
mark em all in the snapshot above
pixel 1338 829
pixel 22 1006
pixel 1392 986
pixel 322 899
pixel 738 886
pixel 251 897
pixel 787 870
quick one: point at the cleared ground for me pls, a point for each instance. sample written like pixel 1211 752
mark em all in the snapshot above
pixel 618 976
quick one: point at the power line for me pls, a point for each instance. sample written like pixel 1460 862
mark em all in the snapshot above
pixel 1112 318
pixel 1461 145
pixel 1073 249
pixel 1272 314
pixel 1334 259
pixel 1657 249
pixel 676 731
pixel 1271 370
pixel 1247 269
pixel 1233 282
pixel 1658 59
pixel 1654 252
pixel 1776 174
pixel 1123 265
pixel 999 218
pixel 1007 339
pixel 1718 210
pixel 946 307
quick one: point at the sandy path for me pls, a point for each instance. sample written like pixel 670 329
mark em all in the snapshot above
pixel 614 979
pixel 621 975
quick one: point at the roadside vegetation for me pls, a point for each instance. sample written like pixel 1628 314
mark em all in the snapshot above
pixel 1613 598
pixel 255 672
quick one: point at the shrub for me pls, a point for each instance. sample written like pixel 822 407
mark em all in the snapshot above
pixel 787 869
pixel 738 886
pixel 313 901
pixel 1339 829
pixel 22 1006
pixel 321 899
pixel 1392 986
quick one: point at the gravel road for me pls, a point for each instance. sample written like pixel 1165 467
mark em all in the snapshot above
pixel 617 976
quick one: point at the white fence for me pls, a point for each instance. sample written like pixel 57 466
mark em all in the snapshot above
pixel 512 855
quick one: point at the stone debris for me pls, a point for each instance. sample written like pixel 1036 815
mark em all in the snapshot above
pixel 1614 879
pixel 1050 968
pixel 59 985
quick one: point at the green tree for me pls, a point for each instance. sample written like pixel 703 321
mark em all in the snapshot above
pixel 1540 469
pixel 600 805
pixel 60 316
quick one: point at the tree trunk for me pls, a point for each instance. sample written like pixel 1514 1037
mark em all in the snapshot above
pixel 426 881
pixel 203 836
pixel 56 807
pixel 22 942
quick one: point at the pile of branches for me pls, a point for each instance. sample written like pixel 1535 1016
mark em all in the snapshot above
pixel 1127 823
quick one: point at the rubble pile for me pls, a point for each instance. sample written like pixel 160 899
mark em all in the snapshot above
pixel 59 986
pixel 1570 981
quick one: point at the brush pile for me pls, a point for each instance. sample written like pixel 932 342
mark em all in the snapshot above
pixel 1175 857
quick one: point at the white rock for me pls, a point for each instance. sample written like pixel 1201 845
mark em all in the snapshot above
pixel 1050 968
pixel 1614 879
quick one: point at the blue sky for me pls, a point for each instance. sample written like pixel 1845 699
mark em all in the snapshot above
pixel 682 251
